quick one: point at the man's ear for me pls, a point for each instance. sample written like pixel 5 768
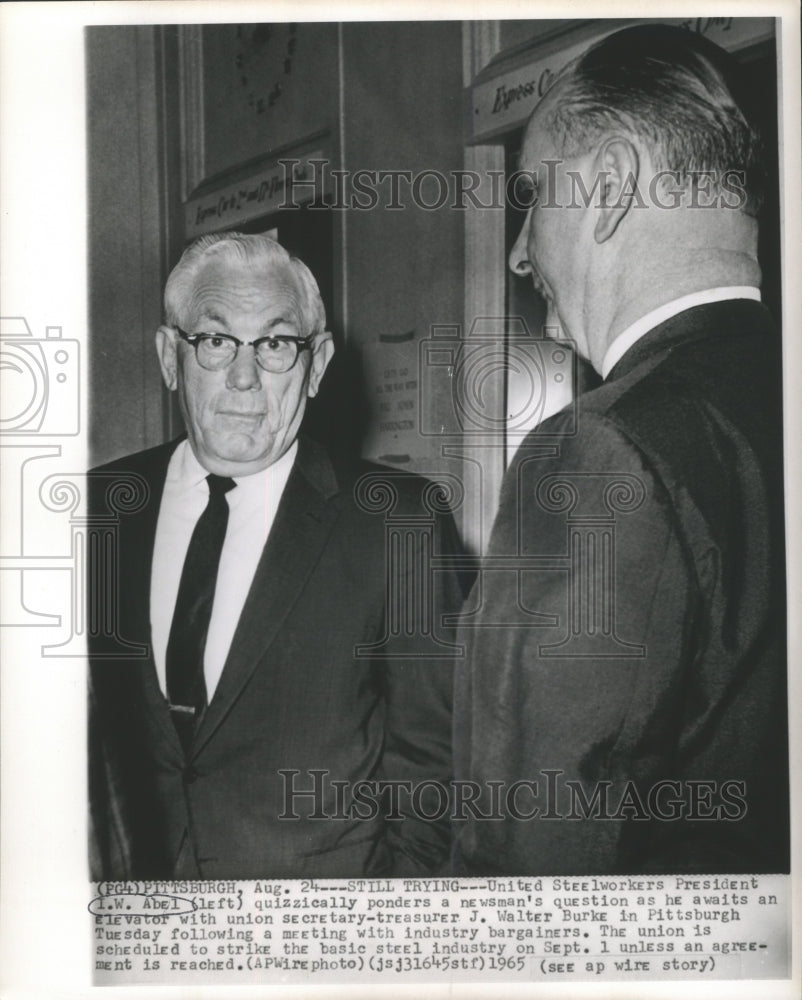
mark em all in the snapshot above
pixel 322 353
pixel 168 359
pixel 619 165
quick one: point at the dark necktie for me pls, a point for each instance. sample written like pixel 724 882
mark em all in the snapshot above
pixel 186 686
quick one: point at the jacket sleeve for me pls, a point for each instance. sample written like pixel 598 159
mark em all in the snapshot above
pixel 416 765
pixel 629 677
pixel 109 837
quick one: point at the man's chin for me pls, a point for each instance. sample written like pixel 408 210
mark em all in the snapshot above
pixel 553 325
pixel 236 454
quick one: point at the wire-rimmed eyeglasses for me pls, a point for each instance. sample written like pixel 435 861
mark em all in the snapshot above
pixel 275 354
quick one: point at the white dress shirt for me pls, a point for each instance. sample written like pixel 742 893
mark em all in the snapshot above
pixel 642 326
pixel 252 508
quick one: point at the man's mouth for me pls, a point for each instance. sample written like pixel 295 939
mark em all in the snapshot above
pixel 542 289
pixel 537 281
pixel 241 414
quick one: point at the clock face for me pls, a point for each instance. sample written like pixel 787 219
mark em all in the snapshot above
pixel 263 59
pixel 264 87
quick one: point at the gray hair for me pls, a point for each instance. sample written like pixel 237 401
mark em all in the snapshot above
pixel 673 89
pixel 251 249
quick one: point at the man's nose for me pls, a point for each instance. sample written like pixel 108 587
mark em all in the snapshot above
pixel 243 373
pixel 519 256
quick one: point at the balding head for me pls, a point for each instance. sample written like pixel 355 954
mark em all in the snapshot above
pixel 674 90
pixel 648 177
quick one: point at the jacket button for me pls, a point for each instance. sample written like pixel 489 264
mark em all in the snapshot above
pixel 190 775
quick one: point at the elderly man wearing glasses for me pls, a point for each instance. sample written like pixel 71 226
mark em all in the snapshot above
pixel 287 718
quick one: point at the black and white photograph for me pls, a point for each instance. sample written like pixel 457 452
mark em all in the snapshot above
pixel 399 453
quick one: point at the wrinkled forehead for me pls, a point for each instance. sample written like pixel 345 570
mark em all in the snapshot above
pixel 229 289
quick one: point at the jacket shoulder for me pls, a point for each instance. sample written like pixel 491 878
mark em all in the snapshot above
pixel 130 484
pixel 140 462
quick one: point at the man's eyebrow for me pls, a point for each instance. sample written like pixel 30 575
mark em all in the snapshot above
pixel 526 174
pixel 212 317
pixel 530 175
pixel 282 320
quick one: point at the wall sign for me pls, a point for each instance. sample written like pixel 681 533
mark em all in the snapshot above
pixel 261 193
pixel 391 378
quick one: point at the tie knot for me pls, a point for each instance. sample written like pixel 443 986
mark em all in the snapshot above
pixel 219 485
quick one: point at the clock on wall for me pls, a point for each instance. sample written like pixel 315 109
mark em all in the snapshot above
pixel 258 88
pixel 263 59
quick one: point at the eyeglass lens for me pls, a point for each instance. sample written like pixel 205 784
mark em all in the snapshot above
pixel 273 355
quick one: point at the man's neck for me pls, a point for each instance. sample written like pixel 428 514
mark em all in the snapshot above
pixel 641 289
pixel 624 342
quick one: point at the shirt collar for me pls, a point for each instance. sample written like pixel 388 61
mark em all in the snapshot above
pixel 633 333
pixel 189 473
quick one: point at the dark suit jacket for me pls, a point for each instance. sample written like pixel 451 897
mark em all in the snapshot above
pixel 293 695
pixel 635 634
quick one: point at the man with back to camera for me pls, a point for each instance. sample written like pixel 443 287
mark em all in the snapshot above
pixel 629 673
pixel 252 572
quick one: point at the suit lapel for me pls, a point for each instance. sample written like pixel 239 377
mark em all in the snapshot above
pixel 306 514
pixel 139 536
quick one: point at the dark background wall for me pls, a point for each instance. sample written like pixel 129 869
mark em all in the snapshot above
pixel 124 241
